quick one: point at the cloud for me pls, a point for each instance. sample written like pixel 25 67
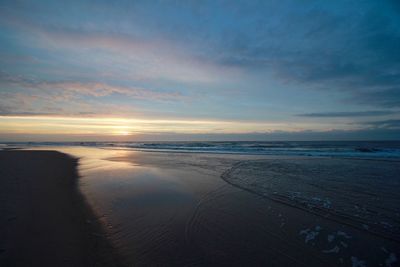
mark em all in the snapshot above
pixel 247 58
pixel 138 57
pixel 384 124
pixel 347 114
pixel 71 89
pixel 6 112
pixel 97 89
pixel 36 103
pixel 25 95
pixel 18 103
pixel 345 48
pixel 385 98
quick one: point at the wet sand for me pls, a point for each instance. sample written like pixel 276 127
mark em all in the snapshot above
pixel 193 209
pixel 189 209
pixel 44 220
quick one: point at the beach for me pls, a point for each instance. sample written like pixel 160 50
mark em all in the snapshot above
pixel 44 219
pixel 200 133
pixel 205 209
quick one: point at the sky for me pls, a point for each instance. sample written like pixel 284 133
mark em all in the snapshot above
pixel 199 70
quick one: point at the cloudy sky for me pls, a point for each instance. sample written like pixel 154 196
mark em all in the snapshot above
pixel 181 70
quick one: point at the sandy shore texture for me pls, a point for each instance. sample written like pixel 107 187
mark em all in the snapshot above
pixel 172 209
pixel 44 220
pixel 196 209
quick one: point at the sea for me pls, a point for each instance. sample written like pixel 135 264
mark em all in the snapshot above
pixel 342 149
pixel 332 204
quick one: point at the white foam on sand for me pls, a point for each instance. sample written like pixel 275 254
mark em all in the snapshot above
pixel 355 262
pixel 335 249
pixel 343 234
pixel 337 189
pixel 310 234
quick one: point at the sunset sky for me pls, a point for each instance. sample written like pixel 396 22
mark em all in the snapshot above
pixel 212 70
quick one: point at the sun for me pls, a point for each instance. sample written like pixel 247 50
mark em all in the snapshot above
pixel 123 133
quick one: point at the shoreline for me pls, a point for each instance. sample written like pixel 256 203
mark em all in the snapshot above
pixel 176 210
pixel 45 219
pixel 337 217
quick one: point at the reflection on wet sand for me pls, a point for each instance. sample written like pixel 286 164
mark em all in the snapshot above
pixel 174 209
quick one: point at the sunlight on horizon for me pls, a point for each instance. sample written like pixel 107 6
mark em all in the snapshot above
pixel 126 126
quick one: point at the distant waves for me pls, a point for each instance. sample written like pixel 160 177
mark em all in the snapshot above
pixel 352 149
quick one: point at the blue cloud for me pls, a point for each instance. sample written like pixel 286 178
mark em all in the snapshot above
pixel 259 60
pixel 369 113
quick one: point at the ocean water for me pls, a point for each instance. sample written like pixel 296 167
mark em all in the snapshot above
pixel 363 193
pixel 343 149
